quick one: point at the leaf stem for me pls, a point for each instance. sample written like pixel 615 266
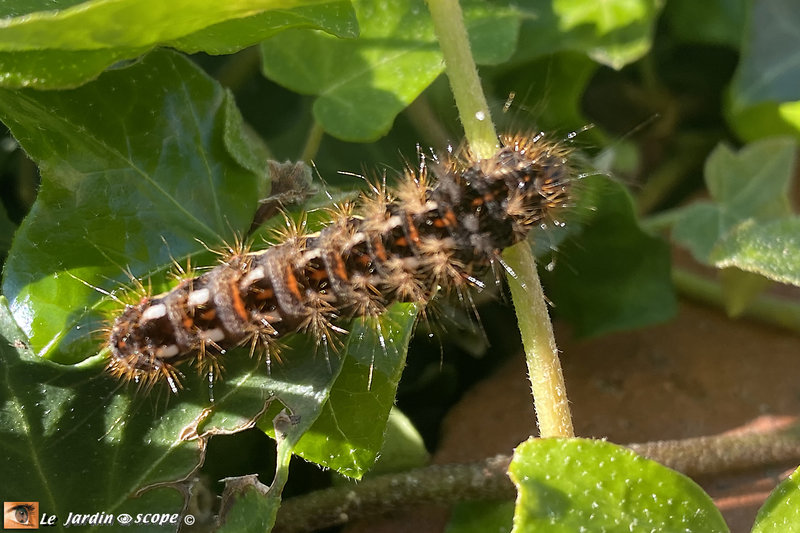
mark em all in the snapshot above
pixel 487 480
pixel 544 368
pixel 448 22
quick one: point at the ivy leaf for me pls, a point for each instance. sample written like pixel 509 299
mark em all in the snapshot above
pixel 363 84
pixel 139 169
pixel 749 224
pixel 765 91
pixel 752 184
pixel 337 18
pixel 613 33
pixel 352 418
pixel 771 250
pixel 613 276
pixel 62 45
pixel 579 484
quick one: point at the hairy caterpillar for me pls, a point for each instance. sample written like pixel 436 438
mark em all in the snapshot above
pixel 442 227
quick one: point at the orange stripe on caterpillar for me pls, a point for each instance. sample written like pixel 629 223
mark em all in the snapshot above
pixel 400 245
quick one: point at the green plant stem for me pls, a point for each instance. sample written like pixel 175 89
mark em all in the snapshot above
pixel 313 141
pixel 544 368
pixel 448 22
pixel 487 480
pixel 766 309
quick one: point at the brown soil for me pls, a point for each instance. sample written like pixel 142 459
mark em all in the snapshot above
pixel 699 374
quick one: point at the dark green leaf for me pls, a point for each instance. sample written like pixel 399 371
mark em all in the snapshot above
pixel 711 21
pixel 568 485
pixel 136 167
pixel 612 33
pixel 612 276
pixel 363 84
pixel 353 414
pixel 481 517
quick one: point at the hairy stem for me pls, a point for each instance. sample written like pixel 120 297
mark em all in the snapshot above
pixel 487 480
pixel 544 368
pixel 448 22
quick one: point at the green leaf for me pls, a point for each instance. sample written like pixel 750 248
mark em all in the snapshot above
pixel 136 167
pixel 96 25
pixel 613 33
pixel 480 517
pixel 589 485
pixel 336 17
pixel 781 511
pixel 612 276
pixel 752 184
pixel 348 434
pixel 64 45
pixel 402 448
pixel 363 84
pixel 770 249
pixel 768 72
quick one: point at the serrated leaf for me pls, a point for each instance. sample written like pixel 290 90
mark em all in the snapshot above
pixel 750 184
pixel 62 45
pixel 613 33
pixel 568 485
pixel 781 511
pixel 363 84
pixel 768 73
pixel 612 276
pixel 770 249
pixel 136 167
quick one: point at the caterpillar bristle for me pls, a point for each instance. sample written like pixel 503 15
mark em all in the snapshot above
pixel 438 231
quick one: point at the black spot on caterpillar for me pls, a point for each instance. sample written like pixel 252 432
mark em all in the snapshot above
pixel 441 228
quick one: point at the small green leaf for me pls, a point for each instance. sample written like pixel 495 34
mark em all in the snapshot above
pixel 136 167
pixel 768 72
pixel 364 83
pixel 568 485
pixel 613 33
pixel 781 511
pixel 612 276
pixel 770 249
